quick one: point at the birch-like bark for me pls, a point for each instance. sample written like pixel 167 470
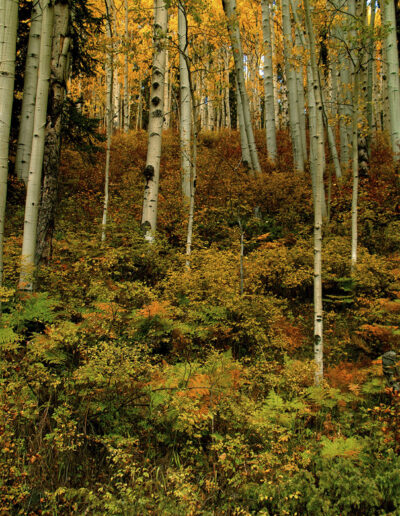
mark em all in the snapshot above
pixel 60 68
pixel 109 69
pixel 331 136
pixel 185 103
pixel 139 113
pixel 389 18
pixel 274 70
pixel 344 84
pixel 36 162
pixel 300 89
pixel 234 34
pixel 167 94
pixel 370 79
pixel 152 170
pixel 25 134
pixel 355 167
pixel 193 182
pixel 228 123
pixel 386 122
pixel 126 72
pixel 116 97
pixel 246 160
pixel 319 170
pixel 270 124
pixel 291 82
pixel 8 40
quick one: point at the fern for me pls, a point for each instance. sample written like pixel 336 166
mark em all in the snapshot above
pixel 8 339
pixel 37 308
pixel 341 447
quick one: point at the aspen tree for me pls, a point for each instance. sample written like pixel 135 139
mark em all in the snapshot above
pixel 355 167
pixel 36 161
pixel 60 69
pixel 152 169
pixel 185 104
pixel 193 158
pixel 294 120
pixel 246 160
pixel 357 66
pixel 389 18
pixel 370 77
pixel 139 113
pixel 226 89
pixel 274 71
pixel 8 40
pixel 109 69
pixel 300 86
pixel 126 71
pixel 343 76
pixel 167 93
pixel 25 134
pixel 234 34
pixel 319 171
pixel 270 123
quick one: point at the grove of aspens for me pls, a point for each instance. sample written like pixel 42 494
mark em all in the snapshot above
pixel 199 257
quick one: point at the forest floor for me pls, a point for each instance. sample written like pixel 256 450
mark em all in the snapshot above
pixel 133 385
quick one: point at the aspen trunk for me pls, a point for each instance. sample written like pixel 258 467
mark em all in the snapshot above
pixel 152 170
pixel 25 134
pixel 185 121
pixel 294 121
pixel 274 70
pixel 320 153
pixel 116 99
pixel 139 108
pixel 193 181
pixel 228 123
pixel 270 124
pixel 60 67
pixel 126 72
pixel 8 40
pixel 371 72
pixel 246 160
pixel 355 167
pixel 167 96
pixel 389 18
pixel 36 162
pixel 234 34
pixel 109 69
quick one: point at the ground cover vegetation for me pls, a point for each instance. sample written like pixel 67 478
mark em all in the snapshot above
pixel 165 272
pixel 132 385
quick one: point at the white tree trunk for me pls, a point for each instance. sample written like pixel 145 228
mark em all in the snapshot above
pixel 228 123
pixel 291 83
pixel 36 162
pixel 319 170
pixel 234 34
pixel 8 40
pixel 152 170
pixel 246 160
pixel 371 79
pixel 167 96
pixel 389 18
pixel 116 100
pixel 60 71
pixel 139 107
pixel 25 134
pixel 355 167
pixel 270 124
pixel 185 103
pixel 126 72
pixel 109 69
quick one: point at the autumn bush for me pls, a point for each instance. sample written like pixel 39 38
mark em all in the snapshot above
pixel 132 384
